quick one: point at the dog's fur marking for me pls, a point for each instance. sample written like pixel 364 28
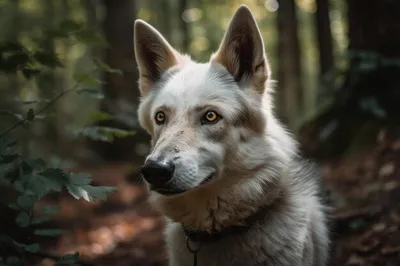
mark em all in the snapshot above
pixel 255 160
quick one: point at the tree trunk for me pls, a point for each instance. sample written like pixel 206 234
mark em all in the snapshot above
pixel 183 5
pixel 118 28
pixel 93 21
pixel 370 94
pixel 289 68
pixel 375 27
pixel 121 91
pixel 324 37
pixel 164 17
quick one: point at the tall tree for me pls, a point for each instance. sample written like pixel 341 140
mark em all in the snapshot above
pixel 183 5
pixel 164 17
pixel 121 92
pixel 370 93
pixel 324 37
pixel 289 67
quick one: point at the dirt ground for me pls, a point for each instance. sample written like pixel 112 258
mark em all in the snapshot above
pixel 125 231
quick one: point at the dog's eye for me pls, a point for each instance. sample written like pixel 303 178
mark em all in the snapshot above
pixel 210 117
pixel 160 118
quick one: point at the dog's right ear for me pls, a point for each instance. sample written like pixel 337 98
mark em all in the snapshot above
pixel 153 54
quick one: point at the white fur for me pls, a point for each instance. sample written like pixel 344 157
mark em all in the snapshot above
pixel 253 156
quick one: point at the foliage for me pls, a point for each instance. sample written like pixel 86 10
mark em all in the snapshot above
pixel 32 179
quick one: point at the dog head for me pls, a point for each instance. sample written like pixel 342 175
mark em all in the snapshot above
pixel 207 120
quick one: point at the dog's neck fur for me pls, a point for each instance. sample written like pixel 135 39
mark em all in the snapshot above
pixel 207 237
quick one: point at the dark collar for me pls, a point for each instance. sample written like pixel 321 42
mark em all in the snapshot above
pixel 207 237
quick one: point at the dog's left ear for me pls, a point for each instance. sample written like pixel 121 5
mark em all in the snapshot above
pixel 242 50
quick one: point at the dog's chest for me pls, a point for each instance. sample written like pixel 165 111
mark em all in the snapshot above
pixel 233 251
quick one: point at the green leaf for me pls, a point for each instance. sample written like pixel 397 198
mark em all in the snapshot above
pixel 99 192
pixel 56 34
pixel 30 115
pixel 106 67
pixel 78 192
pixel 14 206
pixel 48 59
pixel 90 38
pixel 54 173
pixel 106 134
pixel 50 209
pixel 86 79
pixel 13 261
pixel 43 182
pixel 6 112
pixel 69 26
pixel 32 248
pixel 25 202
pixel 19 186
pixel 23 219
pixel 19 116
pixel 100 116
pixel 30 72
pixel 17 61
pixel 11 46
pixel 48 232
pixel 9 158
pixel 5 144
pixel 35 163
pixel 80 179
pixel 90 193
pixel 92 92
pixel 69 259
pixel 40 220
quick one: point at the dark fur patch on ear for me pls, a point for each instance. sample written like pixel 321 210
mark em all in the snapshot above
pixel 153 72
pixel 244 53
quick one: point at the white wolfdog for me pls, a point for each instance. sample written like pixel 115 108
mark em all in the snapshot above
pixel 222 169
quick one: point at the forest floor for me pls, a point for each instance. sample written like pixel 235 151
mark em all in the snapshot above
pixel 124 231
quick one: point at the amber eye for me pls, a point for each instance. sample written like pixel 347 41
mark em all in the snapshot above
pixel 211 117
pixel 160 118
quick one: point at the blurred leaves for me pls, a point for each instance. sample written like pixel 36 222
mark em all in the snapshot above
pixel 15 57
pixel 89 193
pixel 47 59
pixel 32 179
pixel 32 248
pixel 48 232
pixel 69 259
pixel 100 116
pixel 23 219
pixel 12 261
pixel 86 79
pixel 92 92
pixel 90 37
pixel 106 67
pixel 102 133
pixel 70 26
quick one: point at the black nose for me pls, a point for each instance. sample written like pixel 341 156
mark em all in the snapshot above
pixel 158 172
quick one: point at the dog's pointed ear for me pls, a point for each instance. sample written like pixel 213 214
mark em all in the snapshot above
pixel 153 54
pixel 242 50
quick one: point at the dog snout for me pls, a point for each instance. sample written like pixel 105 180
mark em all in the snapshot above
pixel 158 172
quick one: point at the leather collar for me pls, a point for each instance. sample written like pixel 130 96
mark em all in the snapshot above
pixel 215 235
